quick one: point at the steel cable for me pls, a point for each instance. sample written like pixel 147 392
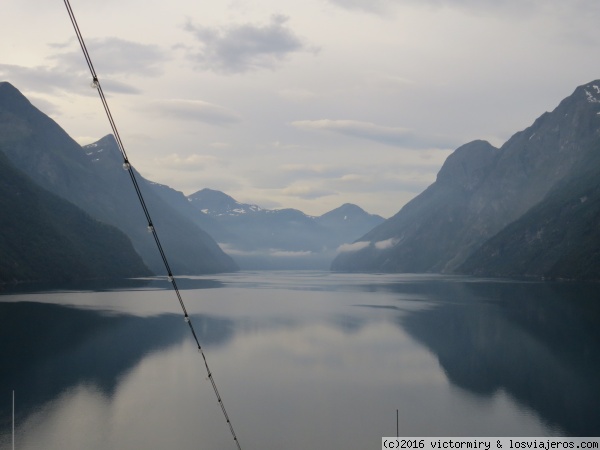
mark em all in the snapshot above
pixel 127 166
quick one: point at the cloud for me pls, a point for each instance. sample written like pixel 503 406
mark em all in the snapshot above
pixel 307 192
pixel 353 247
pixel 360 245
pixel 68 72
pixel 219 145
pixel 297 95
pixel 46 79
pixel 271 252
pixel 355 178
pixel 289 254
pixel 388 243
pixel 111 86
pixel 195 110
pixel 385 6
pixel 394 136
pixel 112 56
pixel 247 47
pixel 373 6
pixel 188 163
pixel 43 79
pixel 519 9
pixel 305 169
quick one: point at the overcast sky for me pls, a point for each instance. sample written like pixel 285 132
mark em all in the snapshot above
pixel 305 104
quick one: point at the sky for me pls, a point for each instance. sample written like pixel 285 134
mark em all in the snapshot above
pixel 300 104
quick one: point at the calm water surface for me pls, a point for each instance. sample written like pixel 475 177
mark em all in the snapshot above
pixel 303 360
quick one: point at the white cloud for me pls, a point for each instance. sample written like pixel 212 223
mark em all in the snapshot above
pixel 307 192
pixel 187 163
pixel 398 71
pixel 195 110
pixel 388 243
pixel 246 47
pixel 113 56
pixel 220 144
pixel 353 247
pixel 304 168
pixel 271 252
pixel 373 6
pixel 289 254
pixel 356 246
pixel 297 95
pixel 67 71
pixel 385 6
pixel 355 178
pixel 395 136
pixel 45 79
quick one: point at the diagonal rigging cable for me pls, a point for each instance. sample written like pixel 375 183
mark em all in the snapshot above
pixel 151 228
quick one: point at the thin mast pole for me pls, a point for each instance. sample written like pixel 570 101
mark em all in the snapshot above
pixel 13 421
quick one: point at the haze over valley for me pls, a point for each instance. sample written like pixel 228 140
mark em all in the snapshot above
pixel 527 209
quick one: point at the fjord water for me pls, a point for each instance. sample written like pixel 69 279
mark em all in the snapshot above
pixel 303 360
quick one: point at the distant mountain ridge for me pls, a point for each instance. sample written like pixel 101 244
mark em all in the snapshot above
pixel 528 209
pixel 216 203
pixel 480 191
pixel 260 238
pixel 93 179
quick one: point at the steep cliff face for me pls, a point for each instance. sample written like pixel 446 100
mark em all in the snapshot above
pixel 480 190
pixel 559 238
pixel 425 234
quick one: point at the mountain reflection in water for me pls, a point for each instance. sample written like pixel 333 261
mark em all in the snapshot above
pixel 310 358
pixel 538 342
pixel 48 348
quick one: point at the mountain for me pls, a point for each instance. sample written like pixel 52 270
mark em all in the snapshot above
pixel 262 238
pixel 217 203
pixel 432 228
pixel 47 238
pixel 558 238
pixel 348 220
pixel 190 249
pixel 481 190
pixel 92 178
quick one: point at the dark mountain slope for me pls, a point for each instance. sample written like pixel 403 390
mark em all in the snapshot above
pixel 478 192
pixel 559 238
pixel 97 184
pixel 46 238
pixel 428 231
pixel 189 248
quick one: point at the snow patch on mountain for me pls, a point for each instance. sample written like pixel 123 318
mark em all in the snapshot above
pixel 590 96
